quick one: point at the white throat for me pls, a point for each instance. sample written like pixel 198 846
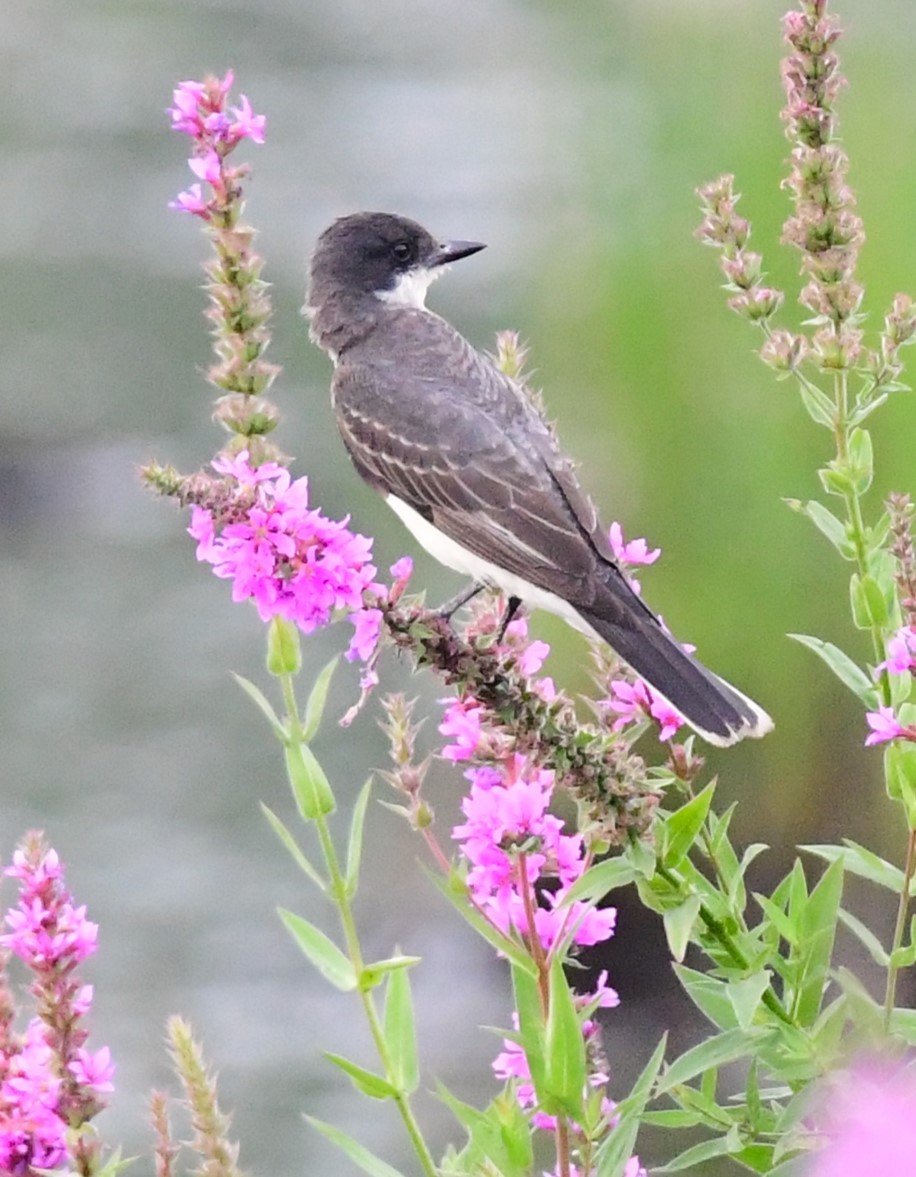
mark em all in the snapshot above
pixel 410 288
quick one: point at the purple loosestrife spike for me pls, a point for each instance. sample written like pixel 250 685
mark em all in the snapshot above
pixel 49 1081
pixel 287 557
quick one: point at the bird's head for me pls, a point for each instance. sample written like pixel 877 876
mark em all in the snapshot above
pixel 380 254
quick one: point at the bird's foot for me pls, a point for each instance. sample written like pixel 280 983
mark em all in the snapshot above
pixel 451 607
pixel 512 607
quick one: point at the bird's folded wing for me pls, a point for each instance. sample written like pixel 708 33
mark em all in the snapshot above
pixel 493 484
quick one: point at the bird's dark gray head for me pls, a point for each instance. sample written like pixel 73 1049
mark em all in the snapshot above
pixel 380 254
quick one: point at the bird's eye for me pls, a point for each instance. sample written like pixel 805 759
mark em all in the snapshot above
pixel 402 251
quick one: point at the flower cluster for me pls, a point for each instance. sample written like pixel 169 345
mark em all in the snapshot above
pixel 259 531
pixel 508 830
pixel 520 868
pixel 49 1081
pixel 201 110
pixel 824 226
pixel 885 723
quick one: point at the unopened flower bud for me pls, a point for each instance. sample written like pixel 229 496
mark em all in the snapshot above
pixel 759 303
pixel 783 351
pixel 247 415
pixel 284 655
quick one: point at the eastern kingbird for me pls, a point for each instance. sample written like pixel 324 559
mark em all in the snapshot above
pixel 469 464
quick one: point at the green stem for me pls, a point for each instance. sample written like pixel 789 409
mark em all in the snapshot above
pixel 900 928
pixel 724 938
pixel 340 895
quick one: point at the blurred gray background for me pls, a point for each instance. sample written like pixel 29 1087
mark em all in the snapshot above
pixel 569 137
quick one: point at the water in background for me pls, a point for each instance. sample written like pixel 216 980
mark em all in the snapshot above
pixel 568 137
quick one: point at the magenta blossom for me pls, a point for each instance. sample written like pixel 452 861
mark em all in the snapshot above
pixel 884 726
pixel 631 701
pixel 462 721
pixel 199 110
pixel 288 558
pixel 901 651
pixel 507 816
pixel 871 1126
pixel 49 1082
pixel 635 552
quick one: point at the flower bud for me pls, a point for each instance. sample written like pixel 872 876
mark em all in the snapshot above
pixel 284 655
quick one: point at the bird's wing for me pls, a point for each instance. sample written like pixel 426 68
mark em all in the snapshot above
pixel 492 479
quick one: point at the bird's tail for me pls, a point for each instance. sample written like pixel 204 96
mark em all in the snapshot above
pixel 711 706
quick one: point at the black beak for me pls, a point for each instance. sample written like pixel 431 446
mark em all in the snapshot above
pixel 453 251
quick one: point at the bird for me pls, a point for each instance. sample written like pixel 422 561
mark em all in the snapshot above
pixel 471 465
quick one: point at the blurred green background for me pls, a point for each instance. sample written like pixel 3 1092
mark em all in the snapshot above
pixel 569 137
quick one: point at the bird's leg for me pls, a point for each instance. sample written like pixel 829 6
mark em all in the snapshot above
pixel 450 608
pixel 512 607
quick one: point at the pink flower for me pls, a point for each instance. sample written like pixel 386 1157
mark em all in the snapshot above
pixel 37 1103
pixel 462 721
pixel 185 112
pixel 901 651
pixel 45 929
pixel 632 701
pixel 884 726
pixel 199 110
pixel 207 167
pixel 368 623
pixel 95 1071
pixel 191 201
pixel 533 657
pixel 872 1126
pixel 246 124
pixel 634 552
pixel 278 552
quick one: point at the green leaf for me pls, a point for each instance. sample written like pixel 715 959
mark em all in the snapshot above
pixel 310 786
pixel 861 460
pixel 868 602
pixel 828 524
pixel 697 1154
pixel 260 700
pixel 318 697
pixel 817 930
pixel 842 666
pixel 746 995
pixel 714 1052
pixel 293 847
pixel 673 1118
pixel 679 924
pixel 819 406
pixel 456 892
pixel 373 974
pixel 322 952
pixel 682 827
pixel 598 880
pixel 564 1048
pixel 642 858
pixel 531 1027
pixel 617 1148
pixel 709 995
pixel 367 1161
pixel 355 842
pixel 835 479
pixel 375 1086
pixel 903 1023
pixel 864 863
pixel 900 766
pixel 500 1134
pixel 400 1034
